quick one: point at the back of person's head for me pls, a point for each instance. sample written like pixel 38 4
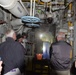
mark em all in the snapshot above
pixel 10 33
pixel 24 35
pixel 60 36
pixel 19 38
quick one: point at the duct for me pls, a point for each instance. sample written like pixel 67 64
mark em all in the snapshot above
pixel 16 7
pixel 71 28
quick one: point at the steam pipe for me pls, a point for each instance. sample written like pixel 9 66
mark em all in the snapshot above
pixel 71 28
pixel 16 7
pixel 60 3
pixel 34 8
pixel 30 7
pixel 70 6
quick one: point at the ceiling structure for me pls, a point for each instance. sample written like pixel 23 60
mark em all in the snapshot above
pixel 54 11
pixel 53 14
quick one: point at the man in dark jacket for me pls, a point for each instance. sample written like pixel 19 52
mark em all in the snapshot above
pixel 60 54
pixel 12 54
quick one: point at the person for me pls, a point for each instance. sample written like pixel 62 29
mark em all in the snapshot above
pixel 60 56
pixel 20 38
pixel 0 66
pixel 12 54
pixel 25 41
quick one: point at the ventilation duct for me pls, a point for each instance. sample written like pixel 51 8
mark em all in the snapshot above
pixel 16 7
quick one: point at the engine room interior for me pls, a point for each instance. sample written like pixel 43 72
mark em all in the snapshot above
pixel 41 20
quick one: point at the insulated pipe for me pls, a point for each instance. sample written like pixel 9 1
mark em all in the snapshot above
pixel 46 0
pixel 70 24
pixel 60 3
pixel 70 9
pixel 30 7
pixel 70 6
pixel 71 29
pixel 34 8
pixel 16 7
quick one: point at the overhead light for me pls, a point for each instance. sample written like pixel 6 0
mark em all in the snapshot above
pixel 41 35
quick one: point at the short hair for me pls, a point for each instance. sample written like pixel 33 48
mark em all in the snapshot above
pixel 9 33
pixel 61 34
pixel 19 36
pixel 24 34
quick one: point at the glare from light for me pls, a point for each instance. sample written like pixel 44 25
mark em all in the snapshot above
pixel 44 49
pixel 41 35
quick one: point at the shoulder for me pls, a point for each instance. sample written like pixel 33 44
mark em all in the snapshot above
pixel 68 43
pixel 3 43
pixel 18 44
pixel 18 47
pixel 55 43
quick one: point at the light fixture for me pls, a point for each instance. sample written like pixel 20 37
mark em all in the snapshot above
pixel 41 35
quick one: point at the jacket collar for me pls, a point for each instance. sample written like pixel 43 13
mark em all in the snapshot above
pixel 9 39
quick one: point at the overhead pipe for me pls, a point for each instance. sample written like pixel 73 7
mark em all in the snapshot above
pixel 70 24
pixel 42 3
pixel 51 2
pixel 70 15
pixel 30 7
pixel 45 0
pixel 70 6
pixel 16 7
pixel 33 8
pixel 71 27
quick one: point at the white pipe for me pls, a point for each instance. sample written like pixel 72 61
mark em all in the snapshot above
pixel 46 0
pixel 30 7
pixel 16 22
pixel 16 7
pixel 34 8
pixel 23 6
